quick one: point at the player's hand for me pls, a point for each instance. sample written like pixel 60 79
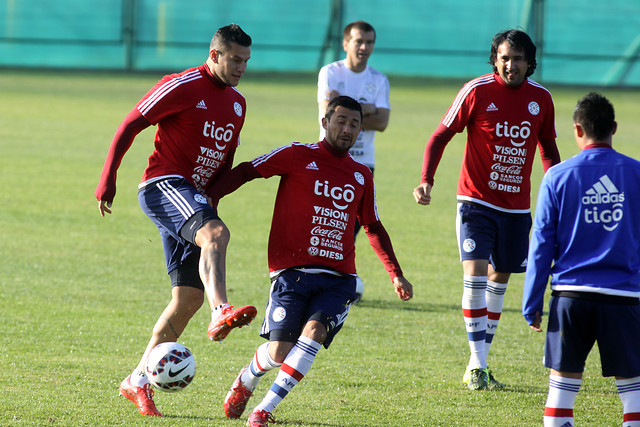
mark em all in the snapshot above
pixel 535 325
pixel 104 207
pixel 403 288
pixel 422 194
pixel 332 94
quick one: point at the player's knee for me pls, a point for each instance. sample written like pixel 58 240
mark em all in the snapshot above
pixel 187 301
pixel 278 350
pixel 213 232
pixel 317 326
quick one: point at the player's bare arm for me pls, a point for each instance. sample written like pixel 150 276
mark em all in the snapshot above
pixel 375 118
pixel 422 194
pixel 329 96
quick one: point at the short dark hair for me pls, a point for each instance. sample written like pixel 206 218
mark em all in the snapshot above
pixel 228 34
pixel 363 26
pixel 519 40
pixel 342 101
pixel 596 115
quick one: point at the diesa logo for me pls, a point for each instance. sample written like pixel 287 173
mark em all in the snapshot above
pixel 341 197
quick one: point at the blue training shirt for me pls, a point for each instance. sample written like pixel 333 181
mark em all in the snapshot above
pixel 586 229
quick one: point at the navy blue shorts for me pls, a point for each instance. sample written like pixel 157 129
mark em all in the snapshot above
pixel 575 324
pixel 297 297
pixel 501 238
pixel 171 204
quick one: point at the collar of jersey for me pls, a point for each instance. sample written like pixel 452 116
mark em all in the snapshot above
pixel 324 144
pixel 207 72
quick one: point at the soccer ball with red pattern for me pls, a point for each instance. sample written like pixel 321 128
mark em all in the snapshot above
pixel 170 367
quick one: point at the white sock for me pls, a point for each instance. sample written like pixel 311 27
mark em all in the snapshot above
pixel 138 378
pixel 295 367
pixel 495 300
pixel 474 311
pixel 629 391
pixel 217 311
pixel 260 365
pixel 558 411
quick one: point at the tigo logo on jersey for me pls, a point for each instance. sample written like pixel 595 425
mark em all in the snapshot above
pixel 603 192
pixel 522 131
pixel 218 133
pixel 337 194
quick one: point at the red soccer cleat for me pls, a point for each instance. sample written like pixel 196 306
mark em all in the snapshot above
pixel 142 397
pixel 230 318
pixel 237 398
pixel 260 419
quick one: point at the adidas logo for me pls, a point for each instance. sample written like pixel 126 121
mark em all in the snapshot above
pixel 603 191
pixel 492 107
pixel 202 105
pixel 312 166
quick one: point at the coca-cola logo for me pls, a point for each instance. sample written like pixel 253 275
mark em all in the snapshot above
pixel 330 234
pixel 510 169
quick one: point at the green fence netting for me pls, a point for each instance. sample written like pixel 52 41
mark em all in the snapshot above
pixel 579 41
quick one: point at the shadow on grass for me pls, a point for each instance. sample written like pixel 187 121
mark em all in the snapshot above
pixel 521 389
pixel 416 306
pixel 281 421
pixel 405 306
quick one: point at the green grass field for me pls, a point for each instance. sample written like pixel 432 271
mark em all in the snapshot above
pixel 80 294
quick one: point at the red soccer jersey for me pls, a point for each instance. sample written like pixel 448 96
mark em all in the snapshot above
pixel 318 199
pixel 199 122
pixel 504 125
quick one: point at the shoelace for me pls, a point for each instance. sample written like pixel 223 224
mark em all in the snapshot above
pixel 265 417
pixel 148 391
pixel 268 416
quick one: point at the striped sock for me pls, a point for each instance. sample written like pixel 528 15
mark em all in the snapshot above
pixel 295 367
pixel 474 311
pixel 629 391
pixel 558 411
pixel 495 300
pixel 260 365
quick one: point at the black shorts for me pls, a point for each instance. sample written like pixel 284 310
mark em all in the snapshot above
pixel 179 211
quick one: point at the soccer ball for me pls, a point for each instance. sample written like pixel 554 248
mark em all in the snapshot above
pixel 170 366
